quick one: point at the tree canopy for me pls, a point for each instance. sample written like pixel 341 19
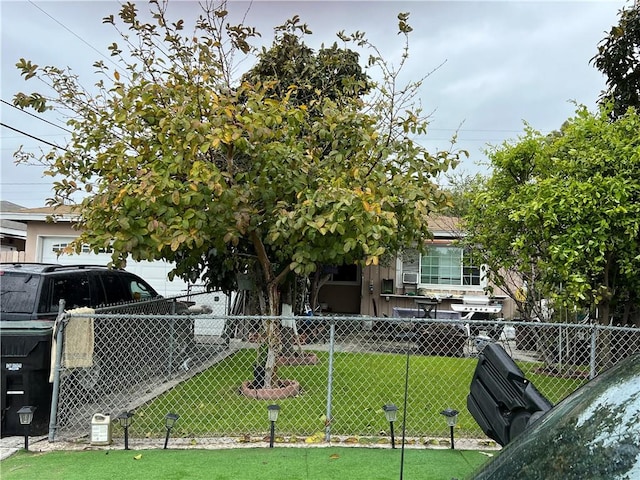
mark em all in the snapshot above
pixel 618 58
pixel 562 211
pixel 332 73
pixel 180 161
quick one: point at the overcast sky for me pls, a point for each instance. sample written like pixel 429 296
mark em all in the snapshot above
pixel 505 62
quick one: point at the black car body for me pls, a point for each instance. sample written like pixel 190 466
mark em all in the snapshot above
pixel 32 291
pixel 30 303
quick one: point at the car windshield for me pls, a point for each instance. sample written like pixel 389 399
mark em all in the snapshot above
pixel 592 434
pixel 19 292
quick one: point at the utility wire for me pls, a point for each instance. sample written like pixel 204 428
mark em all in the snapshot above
pixel 35 116
pixel 472 130
pixel 34 137
pixel 24 183
pixel 74 34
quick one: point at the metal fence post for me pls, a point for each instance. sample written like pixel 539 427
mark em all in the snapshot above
pixel 327 428
pixel 592 353
pixel 59 325
pixel 560 347
pixel 171 342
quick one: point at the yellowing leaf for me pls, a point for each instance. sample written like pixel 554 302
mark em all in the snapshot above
pixel 316 438
pixel 137 457
pixel 116 75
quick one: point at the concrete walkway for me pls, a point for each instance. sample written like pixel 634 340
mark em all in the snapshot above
pixel 11 445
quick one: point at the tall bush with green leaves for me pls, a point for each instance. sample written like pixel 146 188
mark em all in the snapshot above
pixel 562 211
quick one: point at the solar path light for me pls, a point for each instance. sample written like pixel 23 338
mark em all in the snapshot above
pixel 170 420
pixel 124 419
pixel 274 411
pixel 452 418
pixel 26 417
pixel 391 412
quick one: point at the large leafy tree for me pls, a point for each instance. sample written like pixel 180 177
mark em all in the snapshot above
pixel 618 58
pixel 180 161
pixel 563 212
pixel 307 77
pixel 492 231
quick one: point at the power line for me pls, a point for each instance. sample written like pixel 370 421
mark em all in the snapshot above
pixel 9 184
pixel 74 34
pixel 493 130
pixel 13 137
pixel 34 116
pixel 34 137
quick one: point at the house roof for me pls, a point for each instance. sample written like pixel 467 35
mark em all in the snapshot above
pixel 11 228
pixel 6 206
pixel 441 226
pixel 62 213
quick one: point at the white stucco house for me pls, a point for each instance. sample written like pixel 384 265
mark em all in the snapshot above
pixel 44 241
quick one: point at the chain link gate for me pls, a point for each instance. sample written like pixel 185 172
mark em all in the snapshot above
pixel 201 367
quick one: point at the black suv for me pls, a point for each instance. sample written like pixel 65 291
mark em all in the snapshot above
pixel 30 301
pixel 32 291
pixel 31 294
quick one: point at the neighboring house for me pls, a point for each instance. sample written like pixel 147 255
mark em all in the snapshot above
pixel 45 241
pixel 445 272
pixel 13 234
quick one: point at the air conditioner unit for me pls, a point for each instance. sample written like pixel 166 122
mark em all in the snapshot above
pixel 410 278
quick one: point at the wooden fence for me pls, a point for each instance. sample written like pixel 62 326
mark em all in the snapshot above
pixel 12 256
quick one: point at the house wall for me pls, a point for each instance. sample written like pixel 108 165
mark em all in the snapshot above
pixel 375 302
pixel 37 230
pixel 343 299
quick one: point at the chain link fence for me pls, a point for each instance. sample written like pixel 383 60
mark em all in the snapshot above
pixel 333 374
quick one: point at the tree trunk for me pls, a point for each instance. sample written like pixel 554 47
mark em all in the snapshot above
pixel 272 324
pixel 317 282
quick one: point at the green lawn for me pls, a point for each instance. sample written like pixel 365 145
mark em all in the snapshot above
pixel 209 404
pixel 243 464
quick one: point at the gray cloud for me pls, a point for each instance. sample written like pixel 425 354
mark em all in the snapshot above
pixel 505 61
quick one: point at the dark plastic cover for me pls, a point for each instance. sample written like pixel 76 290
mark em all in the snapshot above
pixel 501 399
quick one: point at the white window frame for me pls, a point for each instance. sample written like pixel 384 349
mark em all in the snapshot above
pixel 418 265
